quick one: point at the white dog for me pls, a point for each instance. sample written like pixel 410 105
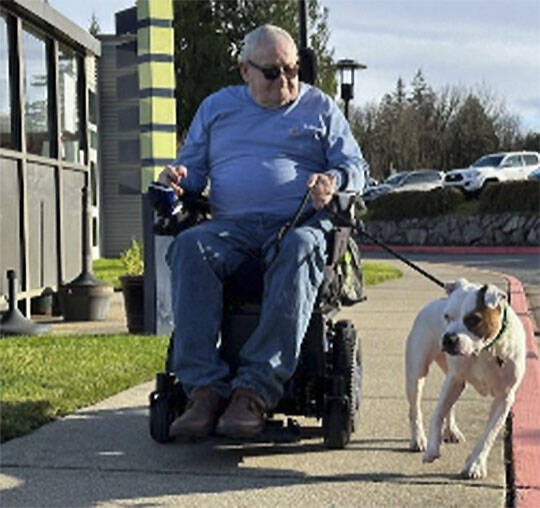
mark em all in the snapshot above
pixel 476 338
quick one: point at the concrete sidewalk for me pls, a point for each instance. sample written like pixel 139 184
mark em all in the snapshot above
pixel 103 455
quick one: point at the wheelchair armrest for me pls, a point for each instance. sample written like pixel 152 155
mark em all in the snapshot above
pixel 346 204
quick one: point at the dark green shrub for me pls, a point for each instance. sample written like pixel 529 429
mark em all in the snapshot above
pixel 398 205
pixel 515 196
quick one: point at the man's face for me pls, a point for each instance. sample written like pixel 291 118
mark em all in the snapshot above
pixel 272 93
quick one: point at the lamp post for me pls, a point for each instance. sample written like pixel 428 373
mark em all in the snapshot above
pixel 347 67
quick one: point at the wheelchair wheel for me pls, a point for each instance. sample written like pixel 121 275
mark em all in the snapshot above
pixel 161 417
pixel 343 401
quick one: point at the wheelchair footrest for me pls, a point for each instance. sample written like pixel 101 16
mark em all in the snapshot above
pixel 274 431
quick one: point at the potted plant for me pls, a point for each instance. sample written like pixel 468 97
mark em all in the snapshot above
pixel 133 286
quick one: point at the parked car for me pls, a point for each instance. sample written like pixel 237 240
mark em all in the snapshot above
pixel 495 167
pixel 374 191
pixel 534 175
pixel 420 180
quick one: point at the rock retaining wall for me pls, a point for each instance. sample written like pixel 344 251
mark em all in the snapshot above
pixel 500 229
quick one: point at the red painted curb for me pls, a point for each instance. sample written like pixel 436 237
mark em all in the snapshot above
pixel 526 411
pixel 454 249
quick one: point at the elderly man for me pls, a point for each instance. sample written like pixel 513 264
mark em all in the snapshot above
pixel 260 146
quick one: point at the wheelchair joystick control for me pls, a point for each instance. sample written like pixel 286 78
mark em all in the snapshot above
pixel 164 200
pixel 168 207
pixel 175 214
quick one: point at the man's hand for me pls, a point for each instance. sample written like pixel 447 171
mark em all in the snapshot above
pixel 322 188
pixel 172 176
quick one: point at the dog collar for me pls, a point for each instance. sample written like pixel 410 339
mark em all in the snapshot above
pixel 502 331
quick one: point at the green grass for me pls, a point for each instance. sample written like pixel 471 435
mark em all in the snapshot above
pixel 46 377
pixel 43 378
pixel 376 273
pixel 108 270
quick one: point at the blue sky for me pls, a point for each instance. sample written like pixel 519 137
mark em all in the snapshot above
pixel 488 44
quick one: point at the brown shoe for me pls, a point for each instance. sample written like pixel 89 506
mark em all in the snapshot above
pixel 202 411
pixel 244 417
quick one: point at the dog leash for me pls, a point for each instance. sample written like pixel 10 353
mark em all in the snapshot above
pixel 289 225
pixel 359 229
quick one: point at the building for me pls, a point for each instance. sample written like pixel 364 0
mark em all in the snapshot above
pixel 118 92
pixel 48 146
pixel 137 134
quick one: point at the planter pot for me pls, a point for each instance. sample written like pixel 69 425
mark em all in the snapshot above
pixel 43 303
pixel 133 291
pixel 85 303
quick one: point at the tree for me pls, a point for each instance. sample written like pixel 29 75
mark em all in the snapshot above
pixel 532 141
pixel 416 127
pixel 472 133
pixel 507 126
pixel 94 27
pixel 208 38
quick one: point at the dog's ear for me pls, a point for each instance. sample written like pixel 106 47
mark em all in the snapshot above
pixel 492 296
pixel 450 287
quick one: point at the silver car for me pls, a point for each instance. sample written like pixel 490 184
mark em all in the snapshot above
pixel 420 180
pixel 374 191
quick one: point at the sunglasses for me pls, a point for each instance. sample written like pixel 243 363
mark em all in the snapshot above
pixel 274 72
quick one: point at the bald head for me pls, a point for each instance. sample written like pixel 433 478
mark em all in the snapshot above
pixel 264 36
pixel 269 66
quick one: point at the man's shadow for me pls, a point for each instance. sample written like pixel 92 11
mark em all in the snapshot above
pixel 98 456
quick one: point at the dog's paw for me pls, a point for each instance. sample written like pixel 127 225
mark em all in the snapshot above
pixel 453 435
pixel 418 444
pixel 431 454
pixel 475 470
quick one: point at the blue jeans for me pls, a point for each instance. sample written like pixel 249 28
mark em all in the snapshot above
pixel 202 257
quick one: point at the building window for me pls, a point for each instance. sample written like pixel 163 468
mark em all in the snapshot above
pixel 93 140
pixel 126 54
pixel 6 138
pixel 70 129
pixel 92 107
pixel 36 93
pixel 127 86
pixel 93 185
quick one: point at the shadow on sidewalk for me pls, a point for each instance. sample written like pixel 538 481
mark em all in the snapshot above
pixel 99 456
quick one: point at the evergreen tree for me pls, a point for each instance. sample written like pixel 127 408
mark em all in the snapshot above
pixel 441 130
pixel 472 133
pixel 532 141
pixel 94 27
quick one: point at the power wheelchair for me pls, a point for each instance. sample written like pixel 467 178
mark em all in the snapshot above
pixel 327 382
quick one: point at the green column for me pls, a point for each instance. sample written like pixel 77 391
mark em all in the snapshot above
pixel 157 110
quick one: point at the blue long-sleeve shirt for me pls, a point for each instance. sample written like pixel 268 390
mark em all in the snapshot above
pixel 259 159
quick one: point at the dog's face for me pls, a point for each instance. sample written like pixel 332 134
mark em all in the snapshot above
pixel 473 317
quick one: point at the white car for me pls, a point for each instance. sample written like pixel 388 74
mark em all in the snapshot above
pixel 495 167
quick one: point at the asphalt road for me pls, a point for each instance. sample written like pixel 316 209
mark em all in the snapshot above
pixel 526 267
